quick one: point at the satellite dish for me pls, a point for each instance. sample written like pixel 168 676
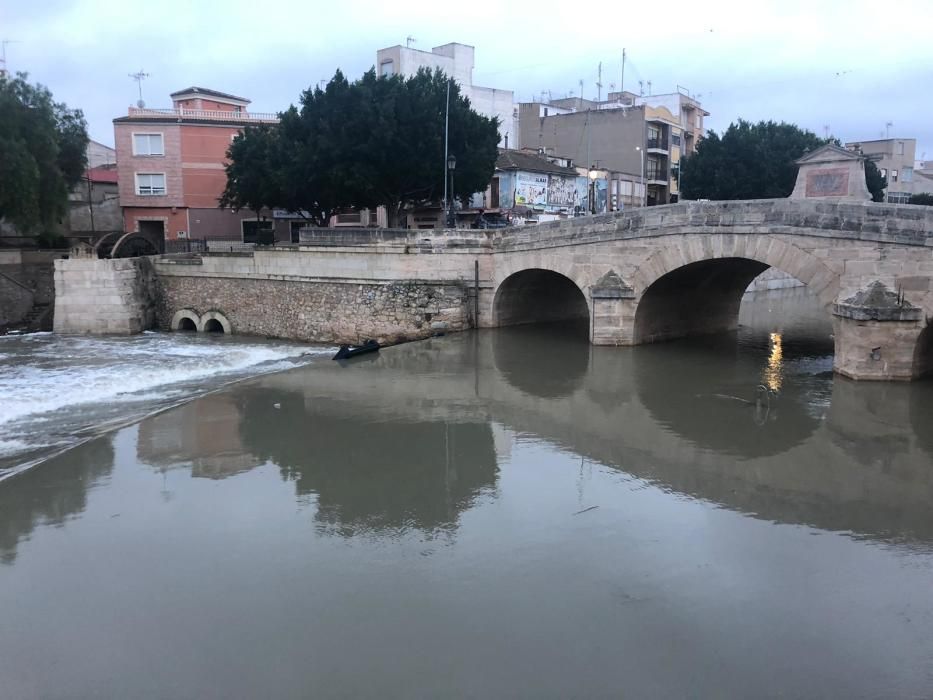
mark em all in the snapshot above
pixel 140 104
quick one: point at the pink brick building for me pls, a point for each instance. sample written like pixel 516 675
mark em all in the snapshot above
pixel 170 165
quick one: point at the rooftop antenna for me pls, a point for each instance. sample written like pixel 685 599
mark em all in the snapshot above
pixel 649 88
pixel 599 83
pixel 622 79
pixel 887 129
pixel 581 93
pixel 826 131
pixel 641 87
pixel 139 78
pixel 409 40
pixel 3 43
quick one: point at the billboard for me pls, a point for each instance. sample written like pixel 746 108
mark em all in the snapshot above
pixel 562 192
pixel 530 189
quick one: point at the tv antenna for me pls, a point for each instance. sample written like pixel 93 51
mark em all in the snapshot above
pixel 409 40
pixel 826 131
pixel 3 43
pixel 599 83
pixel 139 78
pixel 887 129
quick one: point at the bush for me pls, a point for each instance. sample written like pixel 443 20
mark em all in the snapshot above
pixel 50 239
pixel 924 198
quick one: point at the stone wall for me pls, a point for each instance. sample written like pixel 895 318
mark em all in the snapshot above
pixel 103 296
pixel 317 311
pixel 26 281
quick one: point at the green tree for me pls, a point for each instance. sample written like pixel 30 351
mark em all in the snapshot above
pixel 921 198
pixel 875 181
pixel 749 161
pixel 376 141
pixel 43 146
pixel 252 170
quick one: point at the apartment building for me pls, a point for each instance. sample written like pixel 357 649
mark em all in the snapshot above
pixel 170 166
pixel 896 159
pixel 457 61
pixel 641 139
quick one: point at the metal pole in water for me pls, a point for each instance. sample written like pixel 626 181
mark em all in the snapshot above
pixel 476 294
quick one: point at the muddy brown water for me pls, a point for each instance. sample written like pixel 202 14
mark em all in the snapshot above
pixel 508 513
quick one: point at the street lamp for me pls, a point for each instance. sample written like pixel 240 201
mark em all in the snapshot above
pixel 451 217
pixel 644 192
pixel 592 189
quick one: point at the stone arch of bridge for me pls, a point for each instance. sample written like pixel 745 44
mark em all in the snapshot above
pixel 695 286
pixel 134 244
pixel 923 353
pixel 539 295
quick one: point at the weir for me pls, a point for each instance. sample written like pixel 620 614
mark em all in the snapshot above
pixel 637 276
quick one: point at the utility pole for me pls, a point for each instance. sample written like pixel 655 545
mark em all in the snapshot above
pixel 446 123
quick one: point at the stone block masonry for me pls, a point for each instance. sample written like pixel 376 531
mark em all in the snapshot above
pixel 103 296
pixel 318 311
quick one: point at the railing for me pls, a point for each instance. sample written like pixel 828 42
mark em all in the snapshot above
pixel 657 143
pixel 658 173
pixel 214 114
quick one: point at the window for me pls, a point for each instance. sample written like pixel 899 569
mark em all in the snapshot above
pixel 148 145
pixel 900 148
pixel 907 175
pixel 387 67
pixel 675 139
pixel 150 184
pixel 893 176
pixel 884 172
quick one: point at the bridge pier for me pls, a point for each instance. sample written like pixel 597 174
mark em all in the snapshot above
pixel 613 307
pixel 876 336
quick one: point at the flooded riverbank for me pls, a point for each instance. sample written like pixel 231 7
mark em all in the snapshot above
pixel 509 513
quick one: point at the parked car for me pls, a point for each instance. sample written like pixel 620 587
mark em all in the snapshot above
pixel 491 221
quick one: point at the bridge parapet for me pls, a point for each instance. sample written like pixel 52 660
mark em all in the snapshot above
pixel 866 221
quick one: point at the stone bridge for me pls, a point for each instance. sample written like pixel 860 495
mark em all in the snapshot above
pixel 637 277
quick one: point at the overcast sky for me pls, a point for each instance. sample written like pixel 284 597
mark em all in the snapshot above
pixel 851 65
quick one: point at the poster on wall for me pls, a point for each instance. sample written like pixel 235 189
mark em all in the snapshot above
pixel 530 189
pixel 562 192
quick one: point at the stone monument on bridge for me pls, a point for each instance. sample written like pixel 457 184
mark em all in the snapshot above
pixel 831 172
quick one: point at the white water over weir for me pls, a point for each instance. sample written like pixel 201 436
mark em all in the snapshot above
pixel 58 390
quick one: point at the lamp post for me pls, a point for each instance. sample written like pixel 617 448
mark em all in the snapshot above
pixel 644 192
pixel 592 189
pixel 451 217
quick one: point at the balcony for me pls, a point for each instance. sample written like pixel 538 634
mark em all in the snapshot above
pixel 205 114
pixel 657 174
pixel 656 145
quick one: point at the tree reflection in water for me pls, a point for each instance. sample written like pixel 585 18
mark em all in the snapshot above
pixel 370 476
pixel 51 493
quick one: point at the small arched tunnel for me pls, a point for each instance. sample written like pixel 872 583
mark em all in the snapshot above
pixel 698 298
pixel 186 324
pixel 923 354
pixel 212 325
pixel 539 296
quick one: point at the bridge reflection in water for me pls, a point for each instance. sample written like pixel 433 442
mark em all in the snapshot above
pixel 429 511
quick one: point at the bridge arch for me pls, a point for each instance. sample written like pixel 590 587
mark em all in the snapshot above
pixel 135 243
pixel 185 320
pixel 215 322
pixel 538 295
pixel 923 354
pixel 694 286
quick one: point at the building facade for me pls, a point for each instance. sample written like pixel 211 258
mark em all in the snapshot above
pixel 170 166
pixel 897 160
pixel 457 61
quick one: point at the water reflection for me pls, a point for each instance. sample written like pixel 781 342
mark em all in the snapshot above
pixel 51 494
pixel 203 436
pixel 543 360
pixel 370 476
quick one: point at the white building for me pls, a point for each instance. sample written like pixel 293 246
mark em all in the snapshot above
pixel 456 60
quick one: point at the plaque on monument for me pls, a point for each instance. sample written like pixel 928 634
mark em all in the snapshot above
pixel 828 182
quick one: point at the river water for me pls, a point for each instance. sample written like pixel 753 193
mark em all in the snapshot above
pixel 507 513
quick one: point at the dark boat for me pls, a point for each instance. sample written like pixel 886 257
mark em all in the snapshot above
pixel 347 351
